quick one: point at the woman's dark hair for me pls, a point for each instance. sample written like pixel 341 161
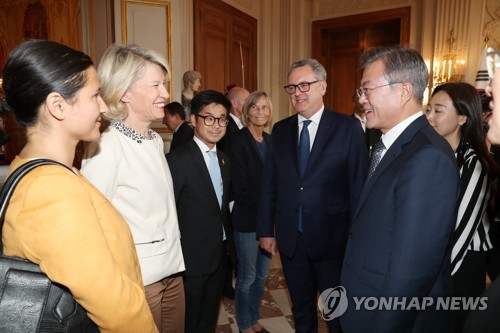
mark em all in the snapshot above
pixel 485 101
pixel 36 68
pixel 467 102
pixel 207 97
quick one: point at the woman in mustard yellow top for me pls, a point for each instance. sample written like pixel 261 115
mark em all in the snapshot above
pixel 56 218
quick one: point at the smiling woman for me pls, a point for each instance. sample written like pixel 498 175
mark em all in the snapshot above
pixel 128 163
pixel 455 113
pixel 144 16
pixel 248 150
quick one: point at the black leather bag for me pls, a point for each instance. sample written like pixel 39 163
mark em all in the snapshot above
pixel 29 300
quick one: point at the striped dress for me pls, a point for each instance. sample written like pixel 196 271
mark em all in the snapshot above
pixel 473 223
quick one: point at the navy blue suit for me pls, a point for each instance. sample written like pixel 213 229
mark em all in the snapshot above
pixel 328 193
pixel 399 242
pixel 183 135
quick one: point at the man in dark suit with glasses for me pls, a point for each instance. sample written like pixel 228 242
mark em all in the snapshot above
pixel 201 177
pixel 312 178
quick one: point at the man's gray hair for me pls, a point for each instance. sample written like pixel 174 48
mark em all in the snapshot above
pixel 318 69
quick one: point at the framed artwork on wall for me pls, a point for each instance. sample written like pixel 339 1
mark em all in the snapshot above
pixel 148 23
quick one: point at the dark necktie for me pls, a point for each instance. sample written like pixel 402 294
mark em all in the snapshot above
pixel 304 150
pixel 304 146
pixel 376 156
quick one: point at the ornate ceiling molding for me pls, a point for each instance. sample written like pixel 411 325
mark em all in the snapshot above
pixel 334 8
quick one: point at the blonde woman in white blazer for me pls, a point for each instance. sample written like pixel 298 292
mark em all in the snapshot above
pixel 128 165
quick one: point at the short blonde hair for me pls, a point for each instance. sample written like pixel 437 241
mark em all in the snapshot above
pixel 251 101
pixel 120 67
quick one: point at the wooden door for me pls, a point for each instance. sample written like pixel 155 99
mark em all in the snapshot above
pixel 338 43
pixel 225 41
pixel 57 20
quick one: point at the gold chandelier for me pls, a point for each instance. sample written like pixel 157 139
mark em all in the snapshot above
pixel 450 67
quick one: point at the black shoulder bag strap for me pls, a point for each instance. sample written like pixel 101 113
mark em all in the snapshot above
pixel 11 183
pixel 30 301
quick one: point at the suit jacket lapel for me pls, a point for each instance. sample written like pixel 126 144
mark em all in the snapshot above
pixel 199 161
pixel 225 174
pixel 267 139
pixel 390 155
pixel 324 129
pixel 232 126
pixel 293 130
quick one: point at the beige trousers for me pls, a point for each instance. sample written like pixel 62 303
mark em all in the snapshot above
pixel 166 301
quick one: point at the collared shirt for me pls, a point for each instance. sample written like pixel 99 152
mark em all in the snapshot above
pixel 237 121
pixel 362 121
pixel 132 133
pixel 204 150
pixel 313 126
pixel 394 133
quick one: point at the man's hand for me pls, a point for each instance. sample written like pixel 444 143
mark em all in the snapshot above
pixel 268 244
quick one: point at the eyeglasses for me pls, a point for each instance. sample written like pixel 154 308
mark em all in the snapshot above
pixel 492 61
pixel 302 86
pixel 210 120
pixel 364 91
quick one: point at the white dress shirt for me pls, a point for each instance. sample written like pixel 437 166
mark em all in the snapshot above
pixel 237 121
pixel 394 133
pixel 362 121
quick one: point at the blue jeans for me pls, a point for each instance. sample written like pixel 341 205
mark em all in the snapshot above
pixel 253 267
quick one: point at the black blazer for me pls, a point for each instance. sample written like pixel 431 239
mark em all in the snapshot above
pixel 231 130
pixel 183 135
pixel 200 217
pixel 486 320
pixel 246 178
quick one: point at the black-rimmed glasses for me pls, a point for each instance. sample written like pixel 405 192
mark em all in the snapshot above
pixel 302 86
pixel 492 61
pixel 210 120
pixel 364 91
